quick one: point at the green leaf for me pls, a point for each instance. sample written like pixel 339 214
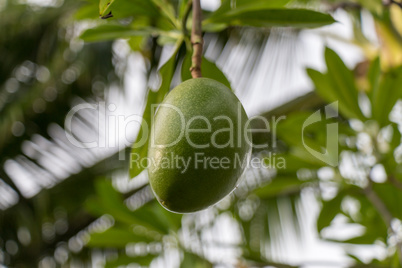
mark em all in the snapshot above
pixel 293 131
pixel 126 8
pixel 342 81
pixel 373 6
pixel 87 11
pixel 159 217
pixel 166 72
pixel 109 201
pixel 294 162
pixel 367 216
pixel 374 75
pixel 386 95
pixel 126 260
pixel 208 69
pixel 103 6
pixel 388 160
pixel 183 8
pixel 140 147
pixel 396 138
pixel 114 31
pixel 173 219
pixel 116 238
pixel 325 89
pixel 322 85
pixel 246 5
pixel 329 210
pixel 168 11
pixel 357 260
pixel 139 42
pixel 303 133
pixel 280 186
pixel 337 85
pixel 194 261
pixel 213 27
pixel 391 196
pixel 366 239
pixel 299 18
pixel 168 38
pixel 136 43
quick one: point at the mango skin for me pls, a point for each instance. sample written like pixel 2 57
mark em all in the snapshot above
pixel 189 190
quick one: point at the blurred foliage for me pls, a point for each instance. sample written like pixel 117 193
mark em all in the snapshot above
pixel 45 67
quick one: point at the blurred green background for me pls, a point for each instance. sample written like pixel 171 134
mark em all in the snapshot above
pixel 65 206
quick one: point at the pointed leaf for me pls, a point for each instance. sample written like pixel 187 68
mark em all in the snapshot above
pixel 329 210
pixel 280 186
pixel 195 261
pixel 103 6
pixel 116 238
pixel 299 18
pixel 294 163
pixel 229 6
pixel 386 95
pixel 140 147
pixel 124 261
pixel 374 75
pixel 342 81
pixel 126 8
pixel 366 239
pixel 325 89
pixel 87 11
pixel 113 31
pixel 109 201
pixel 167 10
pixel 391 197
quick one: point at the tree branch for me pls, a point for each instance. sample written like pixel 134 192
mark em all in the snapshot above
pixel 196 40
pixel 396 3
pixel 345 5
pixel 395 182
pixel 384 212
pixel 378 204
pixel 390 2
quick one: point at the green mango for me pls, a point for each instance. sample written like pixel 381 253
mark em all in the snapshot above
pixel 200 145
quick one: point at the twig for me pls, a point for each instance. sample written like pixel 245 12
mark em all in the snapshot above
pixel 395 182
pixel 196 40
pixel 390 2
pixel 378 204
pixel 345 5
pixel 383 210
pixel 396 3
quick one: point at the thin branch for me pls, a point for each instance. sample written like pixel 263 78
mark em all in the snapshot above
pixel 383 210
pixel 396 3
pixel 395 182
pixel 196 40
pixel 390 2
pixel 344 5
pixel 378 204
